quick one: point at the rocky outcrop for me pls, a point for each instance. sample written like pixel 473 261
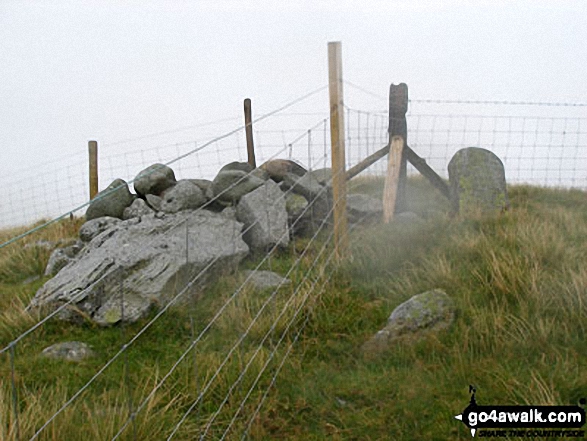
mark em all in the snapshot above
pixel 137 264
pixel 92 228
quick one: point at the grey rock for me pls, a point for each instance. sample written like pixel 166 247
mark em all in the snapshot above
pixel 69 351
pixel 265 279
pixel 240 166
pixel 155 179
pixel 229 212
pixel 138 208
pixel 295 205
pixel 477 181
pixel 57 261
pixel 430 311
pixel 231 185
pixel 154 201
pixel 61 257
pixel 278 168
pixel 261 174
pixel 206 186
pixel 322 175
pixel 363 208
pixel 94 227
pixel 111 201
pixel 143 264
pixel 185 195
pixel 305 185
pixel 264 216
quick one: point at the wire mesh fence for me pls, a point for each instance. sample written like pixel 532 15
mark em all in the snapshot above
pixel 223 363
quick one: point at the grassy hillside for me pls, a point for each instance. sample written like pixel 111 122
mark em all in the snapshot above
pixel 519 280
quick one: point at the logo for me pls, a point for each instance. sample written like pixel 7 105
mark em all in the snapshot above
pixel 523 421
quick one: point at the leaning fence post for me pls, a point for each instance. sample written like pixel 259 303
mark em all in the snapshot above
pixel 249 131
pixel 337 147
pixel 93 152
pixel 393 192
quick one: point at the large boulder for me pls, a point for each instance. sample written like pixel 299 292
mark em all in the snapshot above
pixel 155 179
pixel 264 215
pixel 477 181
pixel 111 201
pixel 278 168
pixel 231 185
pixel 427 312
pixel 144 263
pixel 185 195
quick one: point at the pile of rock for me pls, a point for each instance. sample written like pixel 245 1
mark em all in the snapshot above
pixel 140 250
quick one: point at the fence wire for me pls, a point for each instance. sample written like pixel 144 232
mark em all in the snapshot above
pixel 221 403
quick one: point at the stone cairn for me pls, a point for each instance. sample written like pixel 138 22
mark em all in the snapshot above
pixel 139 250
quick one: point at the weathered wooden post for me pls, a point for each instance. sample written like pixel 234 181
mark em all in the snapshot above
pixel 93 152
pixel 337 147
pixel 249 131
pixel 394 191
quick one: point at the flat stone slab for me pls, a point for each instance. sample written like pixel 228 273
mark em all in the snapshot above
pixel 136 265
pixel 477 181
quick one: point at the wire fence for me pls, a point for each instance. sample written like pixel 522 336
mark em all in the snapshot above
pixel 224 364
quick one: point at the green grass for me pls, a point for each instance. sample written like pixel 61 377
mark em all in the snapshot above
pixel 519 281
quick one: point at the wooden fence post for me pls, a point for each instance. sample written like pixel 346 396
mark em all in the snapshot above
pixel 394 191
pixel 337 148
pixel 249 131
pixel 93 152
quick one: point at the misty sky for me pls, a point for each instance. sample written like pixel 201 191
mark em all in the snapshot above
pixel 71 71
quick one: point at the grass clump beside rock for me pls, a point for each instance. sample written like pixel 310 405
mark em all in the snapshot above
pixel 518 280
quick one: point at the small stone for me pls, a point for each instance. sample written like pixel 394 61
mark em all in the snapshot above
pixel 265 279
pixel 137 209
pixel 69 351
